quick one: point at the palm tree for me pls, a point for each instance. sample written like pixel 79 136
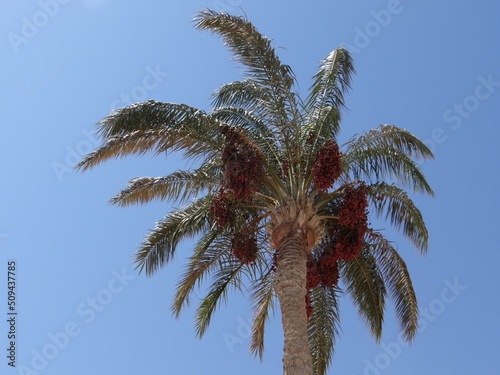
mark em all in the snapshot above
pixel 275 203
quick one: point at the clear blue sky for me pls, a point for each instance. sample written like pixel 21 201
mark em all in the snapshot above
pixel 429 66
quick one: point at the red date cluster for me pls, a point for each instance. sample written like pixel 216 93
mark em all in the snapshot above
pixel 313 274
pixel 244 246
pixel 329 270
pixel 243 172
pixel 241 164
pixel 345 241
pixel 323 271
pixel 352 223
pixel 222 208
pixel 327 165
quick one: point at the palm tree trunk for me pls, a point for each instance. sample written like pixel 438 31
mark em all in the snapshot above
pixel 291 292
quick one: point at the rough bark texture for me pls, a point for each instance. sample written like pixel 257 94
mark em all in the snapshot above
pixel 294 230
pixel 291 291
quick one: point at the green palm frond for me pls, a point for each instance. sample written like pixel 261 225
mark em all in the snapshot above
pixel 263 297
pixel 152 115
pixel 159 246
pixel 391 136
pixel 250 48
pixel 248 120
pixel 136 142
pixel 213 256
pixel 397 278
pixel 323 326
pixel 367 289
pixel 382 162
pixel 225 277
pixel 392 203
pixel 180 186
pixel 157 127
pixel 211 251
pixel 261 64
pixel 243 94
pixel 326 98
pixel 387 151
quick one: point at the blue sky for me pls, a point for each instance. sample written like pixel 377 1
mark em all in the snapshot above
pixel 430 67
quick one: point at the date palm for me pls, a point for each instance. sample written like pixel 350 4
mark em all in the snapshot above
pixel 278 209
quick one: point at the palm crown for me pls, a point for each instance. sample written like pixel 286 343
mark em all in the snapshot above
pixel 274 202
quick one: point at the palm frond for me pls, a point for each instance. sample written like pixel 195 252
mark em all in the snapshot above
pixel 151 115
pixel 382 162
pixel 250 48
pixel 326 97
pixel 397 278
pixel 261 64
pixel 263 296
pixel 212 251
pixel 158 127
pixel 367 289
pixel 159 246
pixel 323 327
pixel 391 136
pixel 242 94
pixel 136 142
pixel 224 278
pixel 180 186
pixel 392 203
